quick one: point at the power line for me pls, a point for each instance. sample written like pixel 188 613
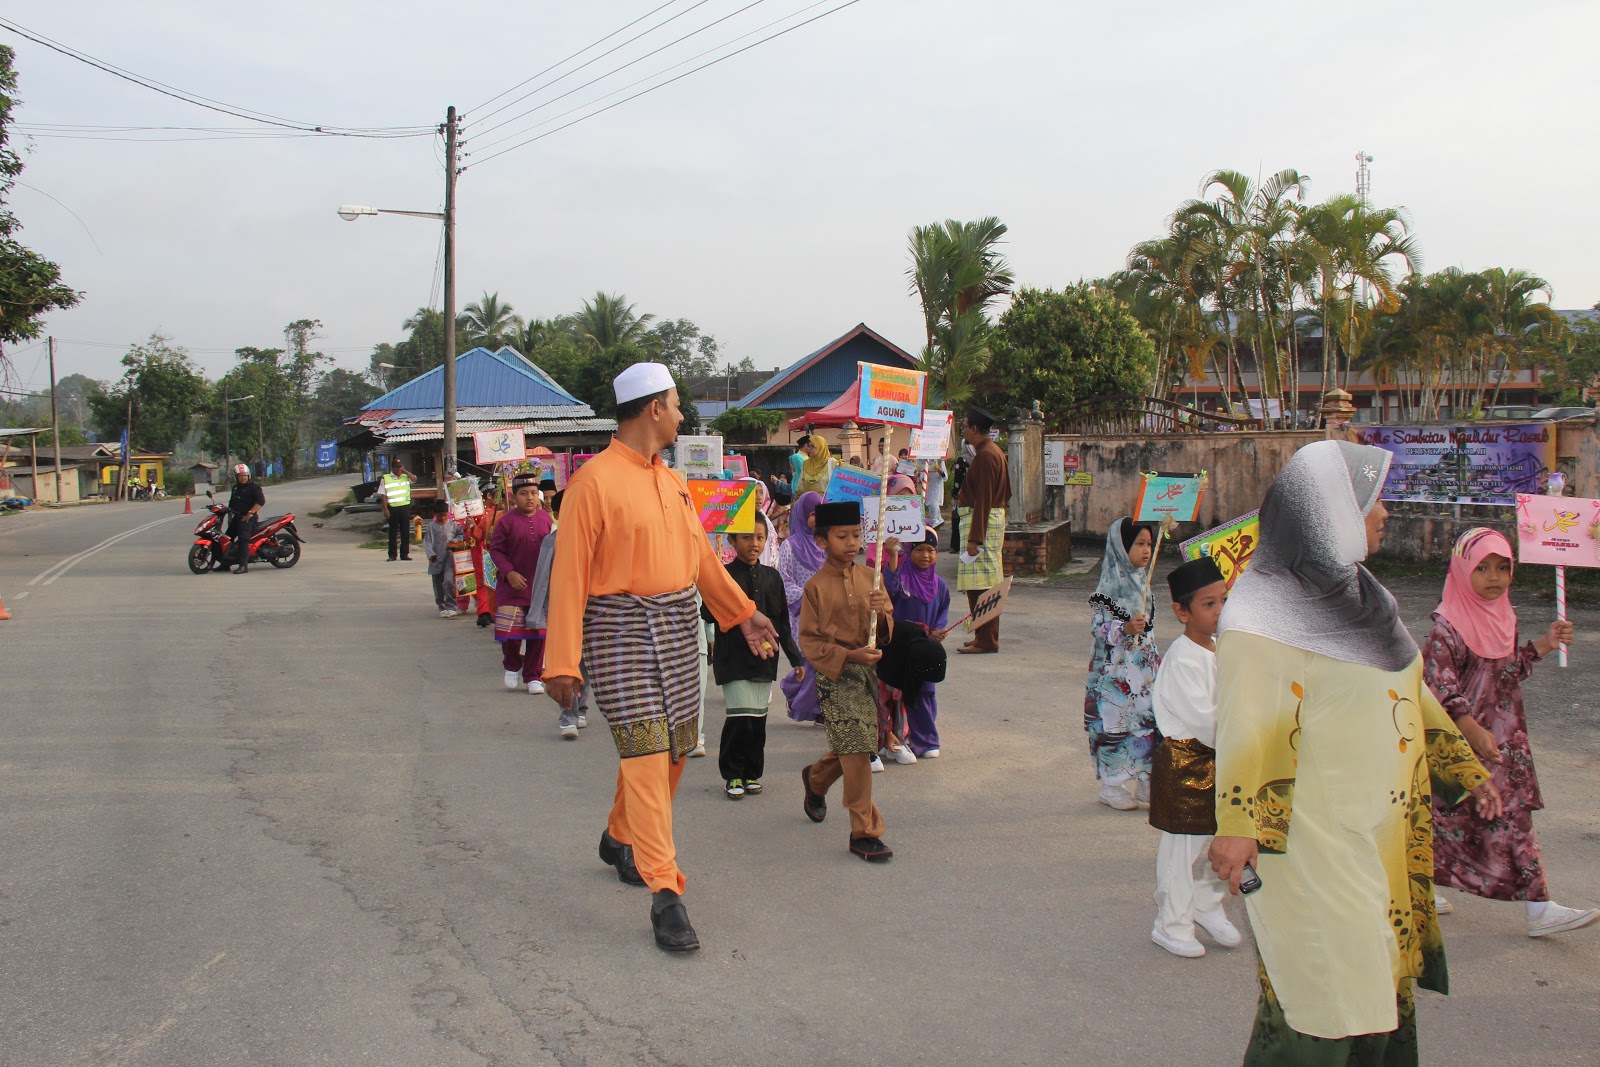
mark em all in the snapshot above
pixel 233 110
pixel 617 70
pixel 669 81
pixel 573 56
pixel 654 74
pixel 587 62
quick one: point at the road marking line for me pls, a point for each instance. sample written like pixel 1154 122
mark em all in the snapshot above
pixel 50 574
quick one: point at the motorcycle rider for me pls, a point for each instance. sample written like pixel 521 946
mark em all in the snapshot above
pixel 245 501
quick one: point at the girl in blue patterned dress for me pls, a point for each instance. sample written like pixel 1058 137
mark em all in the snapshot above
pixel 1118 712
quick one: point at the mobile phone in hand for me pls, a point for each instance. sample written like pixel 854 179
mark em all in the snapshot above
pixel 1250 882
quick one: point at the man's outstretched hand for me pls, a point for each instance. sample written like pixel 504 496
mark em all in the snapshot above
pixel 761 636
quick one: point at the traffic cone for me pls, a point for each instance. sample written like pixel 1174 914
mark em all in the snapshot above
pixel 4 614
pixel 188 508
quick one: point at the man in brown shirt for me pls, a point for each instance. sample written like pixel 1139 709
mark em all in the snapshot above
pixel 985 492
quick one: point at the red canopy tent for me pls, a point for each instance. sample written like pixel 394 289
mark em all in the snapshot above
pixel 836 414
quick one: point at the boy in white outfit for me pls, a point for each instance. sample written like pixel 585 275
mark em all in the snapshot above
pixel 1183 770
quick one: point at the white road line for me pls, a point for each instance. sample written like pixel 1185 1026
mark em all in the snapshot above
pixel 50 574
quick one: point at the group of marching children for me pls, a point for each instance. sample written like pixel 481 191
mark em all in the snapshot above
pixel 1151 719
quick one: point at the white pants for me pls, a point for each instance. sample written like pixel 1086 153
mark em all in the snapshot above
pixel 934 504
pixel 1185 886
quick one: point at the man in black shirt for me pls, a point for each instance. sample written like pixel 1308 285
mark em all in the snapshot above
pixel 245 501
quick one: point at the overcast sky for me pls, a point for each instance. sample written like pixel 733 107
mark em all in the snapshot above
pixel 767 198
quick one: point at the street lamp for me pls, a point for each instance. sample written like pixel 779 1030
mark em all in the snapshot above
pixel 227 427
pixel 352 212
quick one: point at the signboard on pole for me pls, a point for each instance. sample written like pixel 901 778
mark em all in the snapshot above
pixel 853 483
pixel 1558 530
pixel 724 506
pixel 500 446
pixel 1231 545
pixel 738 465
pixel 700 457
pixel 902 519
pixel 1162 494
pixel 891 394
pixel 932 440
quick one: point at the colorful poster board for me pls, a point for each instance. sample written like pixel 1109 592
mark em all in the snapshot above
pixel 1162 494
pixel 891 394
pixel 1485 464
pixel 1558 530
pixel 852 483
pixel 500 446
pixel 907 467
pixel 466 577
pixel 700 458
pixel 580 458
pixel 725 506
pixel 738 465
pixel 932 439
pixel 902 519
pixel 1231 545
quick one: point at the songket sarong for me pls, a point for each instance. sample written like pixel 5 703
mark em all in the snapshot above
pixel 640 659
pixel 511 624
pixel 984 572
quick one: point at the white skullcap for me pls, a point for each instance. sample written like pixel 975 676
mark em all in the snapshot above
pixel 642 379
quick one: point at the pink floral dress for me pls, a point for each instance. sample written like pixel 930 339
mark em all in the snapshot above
pixel 1498 859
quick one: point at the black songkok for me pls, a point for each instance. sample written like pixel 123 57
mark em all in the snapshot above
pixel 980 418
pixel 840 513
pixel 1189 578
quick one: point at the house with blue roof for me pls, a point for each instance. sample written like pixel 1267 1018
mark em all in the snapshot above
pixel 494 390
pixel 818 379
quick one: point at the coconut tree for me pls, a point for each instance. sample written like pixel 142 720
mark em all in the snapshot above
pixel 489 322
pixel 957 273
pixel 1514 317
pixel 609 320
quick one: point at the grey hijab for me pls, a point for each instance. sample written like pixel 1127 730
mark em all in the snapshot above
pixel 1305 585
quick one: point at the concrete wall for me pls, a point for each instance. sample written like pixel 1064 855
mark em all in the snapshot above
pixel 1025 467
pixel 1241 466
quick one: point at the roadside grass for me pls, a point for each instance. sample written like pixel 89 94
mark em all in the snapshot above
pixel 333 507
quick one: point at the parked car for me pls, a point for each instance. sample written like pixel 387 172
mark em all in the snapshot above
pixel 1557 414
pixel 1513 411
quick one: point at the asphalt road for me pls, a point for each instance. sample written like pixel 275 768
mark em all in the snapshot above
pixel 292 817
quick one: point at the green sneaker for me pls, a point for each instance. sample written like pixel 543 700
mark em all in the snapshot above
pixel 752 787
pixel 735 789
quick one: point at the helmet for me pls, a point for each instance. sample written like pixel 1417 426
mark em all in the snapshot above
pixel 241 468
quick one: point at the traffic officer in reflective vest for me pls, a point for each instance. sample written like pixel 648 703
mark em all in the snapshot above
pixel 395 494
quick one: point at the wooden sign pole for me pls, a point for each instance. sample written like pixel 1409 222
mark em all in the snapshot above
pixel 883 507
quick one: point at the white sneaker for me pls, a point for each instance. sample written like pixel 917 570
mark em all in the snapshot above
pixel 569 733
pixel 932 753
pixel 1141 793
pixel 513 679
pixel 1442 905
pixel 902 755
pixel 583 722
pixel 445 614
pixel 536 687
pixel 1189 950
pixel 1112 795
pixel 451 613
pixel 1221 930
pixel 1558 920
pixel 698 750
pixel 877 764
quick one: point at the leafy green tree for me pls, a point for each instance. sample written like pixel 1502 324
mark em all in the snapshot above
pixel 487 322
pixel 30 285
pixel 957 272
pixel 1064 347
pixel 595 377
pixel 166 391
pixel 340 394
pixel 609 320
pixel 681 346
pixel 748 425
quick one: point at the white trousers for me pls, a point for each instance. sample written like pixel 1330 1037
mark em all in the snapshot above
pixel 1185 886
pixel 934 504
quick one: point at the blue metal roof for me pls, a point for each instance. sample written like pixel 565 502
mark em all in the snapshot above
pixel 817 380
pixel 485 379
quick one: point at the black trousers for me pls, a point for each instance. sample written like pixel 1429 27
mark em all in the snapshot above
pixel 400 530
pixel 743 753
pixel 240 529
pixel 955 531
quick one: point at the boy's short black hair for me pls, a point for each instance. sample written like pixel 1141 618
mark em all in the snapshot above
pixel 555 501
pixel 632 409
pixel 440 507
pixel 760 518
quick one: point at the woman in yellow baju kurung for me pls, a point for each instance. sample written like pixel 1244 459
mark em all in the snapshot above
pixel 1326 739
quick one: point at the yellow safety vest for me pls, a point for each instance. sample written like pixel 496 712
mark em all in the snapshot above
pixel 396 490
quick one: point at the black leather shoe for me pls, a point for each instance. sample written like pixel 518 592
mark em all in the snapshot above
pixel 485 619
pixel 816 804
pixel 620 856
pixel 870 849
pixel 670 921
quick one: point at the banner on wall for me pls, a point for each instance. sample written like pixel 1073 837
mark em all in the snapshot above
pixel 891 394
pixel 852 483
pixel 508 445
pixel 725 506
pixel 1231 545
pixel 1464 464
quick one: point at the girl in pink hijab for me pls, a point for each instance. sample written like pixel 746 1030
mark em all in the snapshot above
pixel 1473 665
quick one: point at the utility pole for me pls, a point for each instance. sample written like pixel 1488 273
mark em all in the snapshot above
pixel 227 428
pixel 450 149
pixel 55 421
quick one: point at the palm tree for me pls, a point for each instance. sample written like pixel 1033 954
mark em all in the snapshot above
pixel 1514 317
pixel 957 272
pixel 489 322
pixel 609 320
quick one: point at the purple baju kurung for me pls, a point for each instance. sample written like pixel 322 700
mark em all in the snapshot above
pixel 514 546
pixel 1498 859
pixel 921 706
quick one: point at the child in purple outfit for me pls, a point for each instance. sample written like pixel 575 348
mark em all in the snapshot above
pixel 922 597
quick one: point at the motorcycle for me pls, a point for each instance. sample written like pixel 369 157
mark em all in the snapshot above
pixel 276 541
